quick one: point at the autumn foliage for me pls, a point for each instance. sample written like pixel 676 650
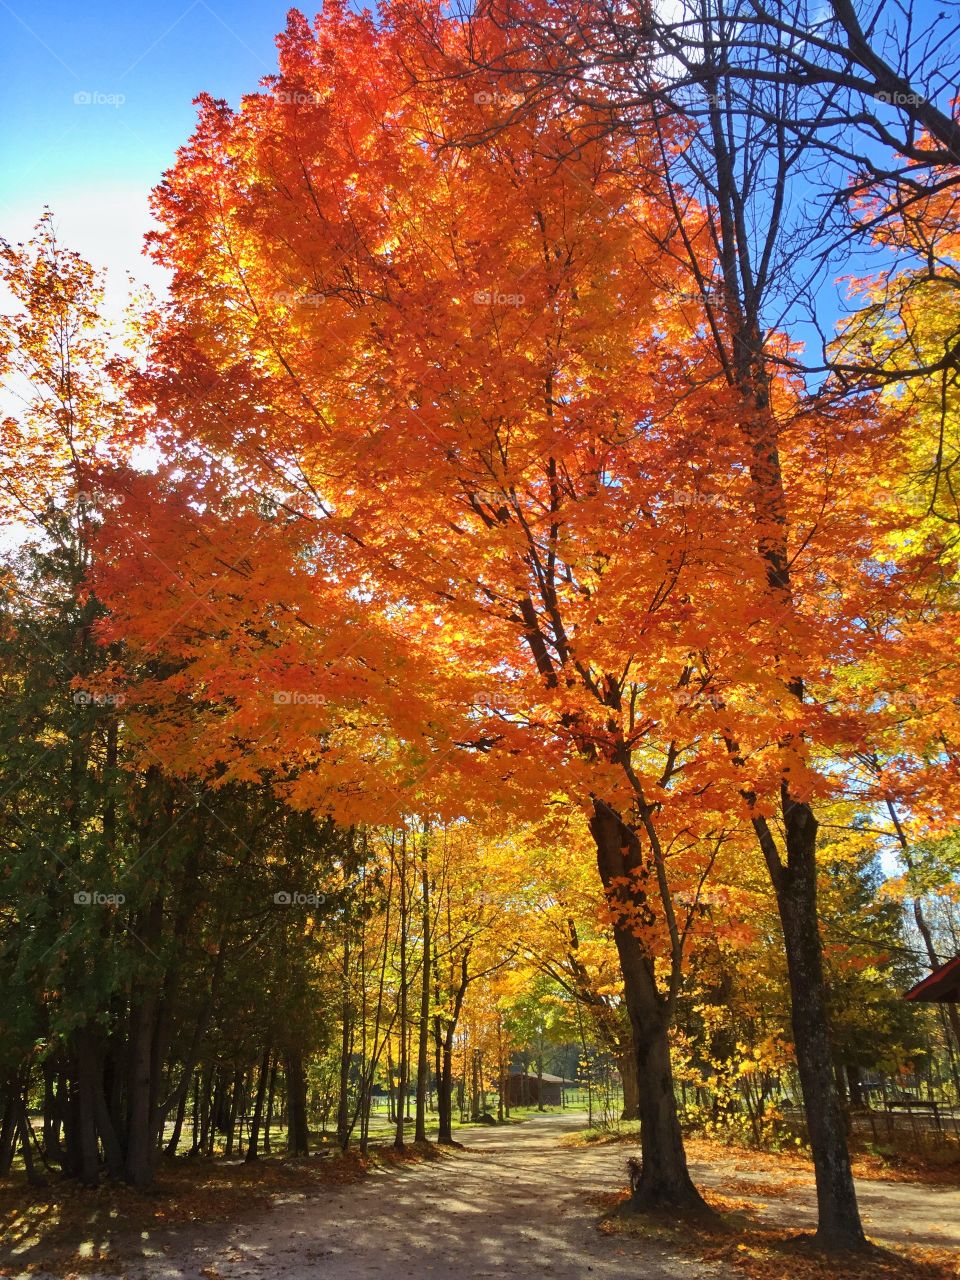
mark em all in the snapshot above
pixel 462 558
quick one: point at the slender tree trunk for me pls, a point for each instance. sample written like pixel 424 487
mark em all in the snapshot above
pixel 271 1092
pixel 182 1093
pixel 391 1087
pixel 253 1144
pixel 26 1147
pixel 208 1112
pixel 540 1106
pixel 195 1115
pixel 423 1058
pixel 51 1115
pixel 236 1094
pixel 343 1102
pixel 141 1091
pixel 854 1085
pixel 501 1073
pixel 475 1086
pixel 403 1065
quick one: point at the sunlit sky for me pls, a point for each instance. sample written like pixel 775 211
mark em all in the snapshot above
pixel 98 96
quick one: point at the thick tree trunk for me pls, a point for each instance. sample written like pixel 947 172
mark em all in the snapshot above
pixel 138 1162
pixel 114 1080
pixel 664 1180
pixel 795 884
pixel 84 1159
pixel 298 1136
pixel 8 1131
pixel 90 1069
pixel 627 1066
pixel 445 1095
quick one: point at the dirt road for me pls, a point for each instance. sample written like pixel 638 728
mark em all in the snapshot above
pixel 518 1204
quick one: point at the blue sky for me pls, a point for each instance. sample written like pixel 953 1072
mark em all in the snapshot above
pixel 98 97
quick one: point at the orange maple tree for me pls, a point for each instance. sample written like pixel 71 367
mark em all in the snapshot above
pixel 456 518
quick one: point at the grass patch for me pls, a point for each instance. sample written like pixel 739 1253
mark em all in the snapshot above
pixel 628 1131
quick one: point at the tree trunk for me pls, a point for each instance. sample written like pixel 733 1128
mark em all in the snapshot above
pixel 795 884
pixel 182 1093
pixel 664 1180
pixel 207 1119
pixel 627 1065
pixel 854 1085
pixel 501 1073
pixel 8 1131
pixel 445 1095
pixel 343 1102
pixel 236 1094
pixel 34 1177
pixel 51 1115
pixel 298 1136
pixel 253 1144
pixel 540 1106
pixel 195 1116
pixel 82 1135
pixel 268 1122
pixel 423 1058
pixel 475 1086
pixel 138 1162
pixel 88 1064
pixel 403 1065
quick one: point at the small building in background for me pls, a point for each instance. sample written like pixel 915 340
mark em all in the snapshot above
pixel 526 1091
pixel 940 987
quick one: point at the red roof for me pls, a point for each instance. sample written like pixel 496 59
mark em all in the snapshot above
pixel 942 985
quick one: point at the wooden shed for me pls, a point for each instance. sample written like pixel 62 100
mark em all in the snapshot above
pixel 940 987
pixel 525 1089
